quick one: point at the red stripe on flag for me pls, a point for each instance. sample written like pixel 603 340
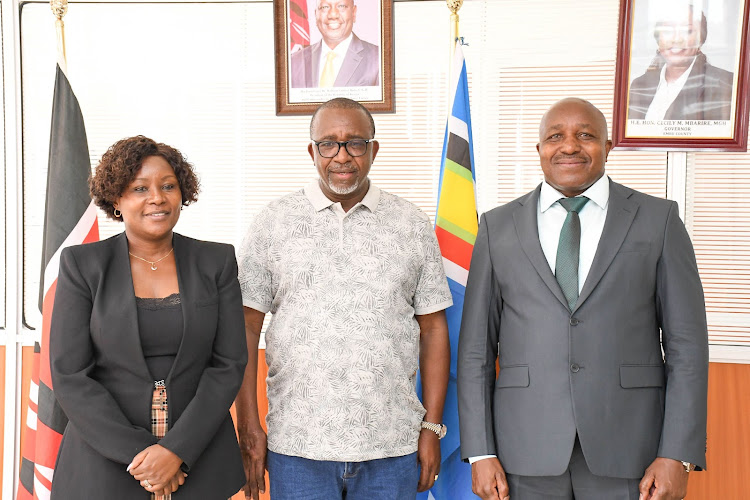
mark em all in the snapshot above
pixel 454 248
pixel 23 494
pixel 93 233
pixel 49 301
pixel 47 444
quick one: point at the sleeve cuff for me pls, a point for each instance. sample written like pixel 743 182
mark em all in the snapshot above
pixel 480 457
pixel 421 311
pixel 255 305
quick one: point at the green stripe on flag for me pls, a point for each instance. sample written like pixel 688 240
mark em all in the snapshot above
pixel 458 170
pixel 456 230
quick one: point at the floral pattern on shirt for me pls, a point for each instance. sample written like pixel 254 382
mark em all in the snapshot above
pixel 342 346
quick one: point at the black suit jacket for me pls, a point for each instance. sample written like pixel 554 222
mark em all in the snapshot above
pixel 101 380
pixel 707 94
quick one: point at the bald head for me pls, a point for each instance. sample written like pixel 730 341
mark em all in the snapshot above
pixel 341 103
pixel 574 103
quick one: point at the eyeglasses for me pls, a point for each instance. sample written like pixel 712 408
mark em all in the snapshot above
pixel 355 147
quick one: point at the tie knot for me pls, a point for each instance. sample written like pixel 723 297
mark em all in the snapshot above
pixel 573 204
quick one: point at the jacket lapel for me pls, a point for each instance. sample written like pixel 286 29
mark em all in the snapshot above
pixel 179 243
pixel 620 214
pixel 123 307
pixel 524 217
pixel 351 61
pixel 313 77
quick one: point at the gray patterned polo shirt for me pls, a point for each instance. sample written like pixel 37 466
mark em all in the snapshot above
pixel 342 346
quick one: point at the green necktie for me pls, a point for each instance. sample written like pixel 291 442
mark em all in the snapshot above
pixel 568 249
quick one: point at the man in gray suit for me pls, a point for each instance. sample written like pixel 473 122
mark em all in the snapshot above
pixel 577 311
pixel 340 59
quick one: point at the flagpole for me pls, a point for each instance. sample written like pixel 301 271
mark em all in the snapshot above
pixel 59 8
pixel 454 6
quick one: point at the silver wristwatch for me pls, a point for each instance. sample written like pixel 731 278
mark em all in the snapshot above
pixel 688 466
pixel 438 429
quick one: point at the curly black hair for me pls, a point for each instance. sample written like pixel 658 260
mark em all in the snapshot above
pixel 122 161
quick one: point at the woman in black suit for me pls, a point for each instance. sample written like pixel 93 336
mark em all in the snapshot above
pixel 147 343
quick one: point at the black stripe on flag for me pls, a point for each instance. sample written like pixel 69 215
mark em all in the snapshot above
pixel 26 477
pixel 458 151
pixel 50 413
pixel 69 170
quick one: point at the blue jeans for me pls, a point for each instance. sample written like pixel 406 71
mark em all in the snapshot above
pixel 295 478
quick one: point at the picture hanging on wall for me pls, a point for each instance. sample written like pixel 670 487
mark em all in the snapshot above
pixel 682 75
pixel 333 48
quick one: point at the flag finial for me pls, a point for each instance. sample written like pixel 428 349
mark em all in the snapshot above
pixel 59 8
pixel 454 5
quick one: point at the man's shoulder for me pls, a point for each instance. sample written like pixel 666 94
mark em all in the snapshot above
pixel 507 209
pixel 304 53
pixel 394 203
pixel 653 204
pixel 287 202
pixel 363 46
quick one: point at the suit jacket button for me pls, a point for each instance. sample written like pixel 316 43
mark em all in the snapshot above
pixel 574 368
pixel 573 322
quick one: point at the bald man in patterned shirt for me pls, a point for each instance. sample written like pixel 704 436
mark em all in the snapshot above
pixel 354 279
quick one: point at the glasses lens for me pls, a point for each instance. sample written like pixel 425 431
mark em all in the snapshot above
pixel 357 147
pixel 328 149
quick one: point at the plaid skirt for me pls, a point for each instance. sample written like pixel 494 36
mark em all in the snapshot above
pixel 159 420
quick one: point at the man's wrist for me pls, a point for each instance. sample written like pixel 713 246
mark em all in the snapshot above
pixel 439 429
pixel 480 457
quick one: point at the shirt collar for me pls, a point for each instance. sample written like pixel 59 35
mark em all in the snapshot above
pixel 680 82
pixel 340 49
pixel 320 201
pixel 598 192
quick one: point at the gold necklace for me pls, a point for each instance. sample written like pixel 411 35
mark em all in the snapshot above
pixel 154 262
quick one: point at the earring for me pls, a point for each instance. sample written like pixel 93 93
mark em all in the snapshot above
pixel 117 213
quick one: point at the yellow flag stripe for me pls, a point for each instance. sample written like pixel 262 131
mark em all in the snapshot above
pixel 457 202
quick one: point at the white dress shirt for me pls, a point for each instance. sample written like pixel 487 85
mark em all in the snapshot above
pixel 666 93
pixel 340 51
pixel 550 217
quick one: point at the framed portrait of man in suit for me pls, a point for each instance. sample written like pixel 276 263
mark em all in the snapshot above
pixel 682 75
pixel 333 48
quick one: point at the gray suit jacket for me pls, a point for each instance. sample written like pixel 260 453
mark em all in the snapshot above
pixel 597 371
pixel 104 386
pixel 360 68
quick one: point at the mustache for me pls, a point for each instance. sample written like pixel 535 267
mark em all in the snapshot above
pixel 346 167
pixel 565 157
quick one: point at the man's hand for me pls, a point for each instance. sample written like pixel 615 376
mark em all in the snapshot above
pixel 665 479
pixel 253 448
pixel 155 468
pixel 488 480
pixel 428 456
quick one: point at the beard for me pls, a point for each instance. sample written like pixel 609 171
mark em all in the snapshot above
pixel 344 190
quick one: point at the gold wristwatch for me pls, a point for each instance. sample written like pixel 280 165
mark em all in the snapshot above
pixel 688 467
pixel 439 429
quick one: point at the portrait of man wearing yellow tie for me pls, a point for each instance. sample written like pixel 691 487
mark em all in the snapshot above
pixel 340 58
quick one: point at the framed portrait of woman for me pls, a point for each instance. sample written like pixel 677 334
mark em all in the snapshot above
pixel 333 48
pixel 682 75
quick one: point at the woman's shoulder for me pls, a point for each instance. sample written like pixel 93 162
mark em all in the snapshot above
pixel 94 249
pixel 194 245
